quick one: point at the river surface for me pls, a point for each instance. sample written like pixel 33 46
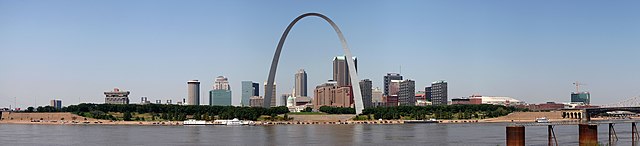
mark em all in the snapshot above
pixel 406 134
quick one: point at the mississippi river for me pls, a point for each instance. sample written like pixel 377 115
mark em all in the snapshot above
pixel 402 134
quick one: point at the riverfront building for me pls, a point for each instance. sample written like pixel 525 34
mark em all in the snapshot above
pixel 300 83
pixel 220 97
pixel 437 92
pixel 330 94
pixel 193 92
pixel 407 93
pixel 341 70
pixel 366 90
pixel 584 97
pixel 387 80
pixel 116 97
pixel 56 103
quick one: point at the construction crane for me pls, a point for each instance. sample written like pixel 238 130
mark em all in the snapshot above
pixel 578 84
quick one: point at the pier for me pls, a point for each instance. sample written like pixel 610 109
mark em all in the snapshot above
pixel 587 132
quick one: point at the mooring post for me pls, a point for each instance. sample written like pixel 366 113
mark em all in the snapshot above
pixel 549 130
pixel 613 136
pixel 515 135
pixel 588 134
pixel 552 136
pixel 634 132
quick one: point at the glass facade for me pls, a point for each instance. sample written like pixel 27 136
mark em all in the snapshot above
pixel 220 97
pixel 583 97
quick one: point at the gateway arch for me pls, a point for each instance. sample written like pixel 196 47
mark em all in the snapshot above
pixel 355 85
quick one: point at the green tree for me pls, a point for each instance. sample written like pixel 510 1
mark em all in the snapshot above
pixel 30 109
pixel 126 116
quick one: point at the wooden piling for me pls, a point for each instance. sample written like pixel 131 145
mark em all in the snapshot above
pixel 515 135
pixel 588 134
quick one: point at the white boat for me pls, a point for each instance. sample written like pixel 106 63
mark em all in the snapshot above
pixel 542 120
pixel 233 122
pixel 194 122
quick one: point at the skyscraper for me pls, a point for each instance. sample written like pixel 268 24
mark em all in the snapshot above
pixel 221 83
pixel 439 93
pixel 273 94
pixel 407 93
pixel 220 97
pixel 248 90
pixel 387 81
pixel 301 83
pixel 341 70
pixel 366 90
pixel 193 92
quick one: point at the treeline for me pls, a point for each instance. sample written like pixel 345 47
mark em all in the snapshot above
pixel 440 112
pixel 169 112
pixel 337 110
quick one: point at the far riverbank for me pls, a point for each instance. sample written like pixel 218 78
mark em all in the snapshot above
pixel 64 118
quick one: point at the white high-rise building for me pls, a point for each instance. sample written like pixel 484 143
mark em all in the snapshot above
pixel 221 83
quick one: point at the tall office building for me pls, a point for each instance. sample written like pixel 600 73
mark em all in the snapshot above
pixel 584 97
pixel 438 93
pixel 301 83
pixel 366 90
pixel 56 103
pixel 116 97
pixel 256 89
pixel 387 81
pixel 273 94
pixel 221 83
pixel 341 70
pixel 220 97
pixel 193 92
pixel 248 91
pixel 407 93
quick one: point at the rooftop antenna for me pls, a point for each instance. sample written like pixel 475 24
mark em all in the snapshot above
pixel 400 69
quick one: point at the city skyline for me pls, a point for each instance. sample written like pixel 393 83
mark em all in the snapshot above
pixel 531 51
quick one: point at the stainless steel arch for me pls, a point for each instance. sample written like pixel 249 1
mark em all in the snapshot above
pixel 355 85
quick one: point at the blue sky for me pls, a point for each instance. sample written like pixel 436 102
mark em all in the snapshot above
pixel 530 50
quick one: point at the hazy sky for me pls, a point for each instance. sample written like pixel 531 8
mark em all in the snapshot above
pixel 529 50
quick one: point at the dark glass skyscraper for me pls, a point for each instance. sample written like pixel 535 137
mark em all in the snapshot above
pixel 366 90
pixel 439 93
pixel 341 70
